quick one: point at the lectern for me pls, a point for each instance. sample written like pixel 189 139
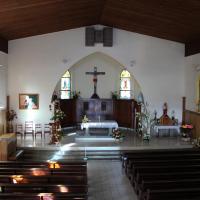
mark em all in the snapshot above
pixel 8 144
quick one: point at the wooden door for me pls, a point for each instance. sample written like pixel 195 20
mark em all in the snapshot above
pixel 68 106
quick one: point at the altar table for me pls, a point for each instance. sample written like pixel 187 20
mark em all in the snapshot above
pixel 164 127
pixel 110 124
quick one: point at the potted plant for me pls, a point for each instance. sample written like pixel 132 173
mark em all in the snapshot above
pixel 10 115
pixel 114 95
pixel 75 94
pixel 186 130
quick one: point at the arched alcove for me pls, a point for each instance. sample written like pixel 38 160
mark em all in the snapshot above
pixel 106 84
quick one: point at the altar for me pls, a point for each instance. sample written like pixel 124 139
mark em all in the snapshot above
pixel 158 128
pixel 107 124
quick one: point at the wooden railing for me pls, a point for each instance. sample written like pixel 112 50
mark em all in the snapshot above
pixel 193 118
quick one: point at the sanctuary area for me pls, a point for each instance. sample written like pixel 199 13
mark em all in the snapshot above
pixel 99 100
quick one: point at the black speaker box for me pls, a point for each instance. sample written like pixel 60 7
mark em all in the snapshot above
pixel 108 37
pixel 89 36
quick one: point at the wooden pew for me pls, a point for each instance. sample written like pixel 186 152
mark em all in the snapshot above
pixel 173 194
pixel 69 179
pixel 39 196
pixel 41 171
pixel 155 174
pixel 149 153
pixel 140 169
pixel 167 185
pixel 166 176
pixel 40 164
pixel 159 157
pixel 43 188
pixel 156 162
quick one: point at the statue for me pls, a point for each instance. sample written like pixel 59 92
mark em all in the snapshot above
pixel 165 108
pixel 165 119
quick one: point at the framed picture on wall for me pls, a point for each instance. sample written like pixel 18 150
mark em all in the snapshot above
pixel 28 101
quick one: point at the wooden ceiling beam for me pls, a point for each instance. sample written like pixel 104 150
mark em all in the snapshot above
pixel 3 45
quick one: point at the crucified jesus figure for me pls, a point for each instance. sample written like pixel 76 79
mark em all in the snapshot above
pixel 95 73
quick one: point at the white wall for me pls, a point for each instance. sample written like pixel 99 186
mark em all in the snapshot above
pixel 3 79
pixel 35 65
pixel 84 83
pixel 3 88
pixel 191 76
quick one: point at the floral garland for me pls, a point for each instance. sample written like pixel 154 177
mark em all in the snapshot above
pixel 58 115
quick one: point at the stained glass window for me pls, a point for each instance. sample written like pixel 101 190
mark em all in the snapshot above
pixel 125 85
pixel 65 91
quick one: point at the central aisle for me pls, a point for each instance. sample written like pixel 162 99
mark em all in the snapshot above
pixel 107 181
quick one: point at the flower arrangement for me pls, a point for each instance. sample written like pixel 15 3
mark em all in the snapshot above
pixel 85 119
pixel 114 95
pixel 187 126
pixel 117 134
pixel 11 115
pixel 145 121
pixel 186 130
pixel 75 94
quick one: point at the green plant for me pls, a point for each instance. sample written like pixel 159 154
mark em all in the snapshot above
pixel 114 95
pixel 145 121
pixel 11 115
pixel 75 94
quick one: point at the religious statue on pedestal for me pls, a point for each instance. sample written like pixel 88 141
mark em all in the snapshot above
pixel 165 108
pixel 165 119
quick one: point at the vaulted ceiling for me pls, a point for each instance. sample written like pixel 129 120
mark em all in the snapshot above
pixel 176 20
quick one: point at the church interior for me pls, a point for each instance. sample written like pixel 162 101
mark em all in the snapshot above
pixel 99 100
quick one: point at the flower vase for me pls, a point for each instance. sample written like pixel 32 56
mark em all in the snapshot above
pixel 10 127
pixel 147 132
pixel 117 140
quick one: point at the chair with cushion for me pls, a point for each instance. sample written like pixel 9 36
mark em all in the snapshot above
pixel 47 129
pixel 29 129
pixel 38 130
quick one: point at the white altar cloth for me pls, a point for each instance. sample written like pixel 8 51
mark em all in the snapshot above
pixel 161 127
pixel 110 124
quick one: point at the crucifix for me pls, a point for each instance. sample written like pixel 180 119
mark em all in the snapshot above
pixel 95 74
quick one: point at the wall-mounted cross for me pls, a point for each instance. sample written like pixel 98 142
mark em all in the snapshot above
pixel 95 73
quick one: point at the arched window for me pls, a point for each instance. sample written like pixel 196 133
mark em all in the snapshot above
pixel 125 85
pixel 65 92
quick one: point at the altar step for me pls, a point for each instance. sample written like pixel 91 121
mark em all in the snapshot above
pixel 33 154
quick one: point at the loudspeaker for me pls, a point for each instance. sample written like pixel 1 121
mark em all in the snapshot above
pixel 104 36
pixel 89 36
pixel 98 36
pixel 108 37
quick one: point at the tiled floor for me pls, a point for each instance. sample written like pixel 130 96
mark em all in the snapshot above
pixel 131 142
pixel 107 181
